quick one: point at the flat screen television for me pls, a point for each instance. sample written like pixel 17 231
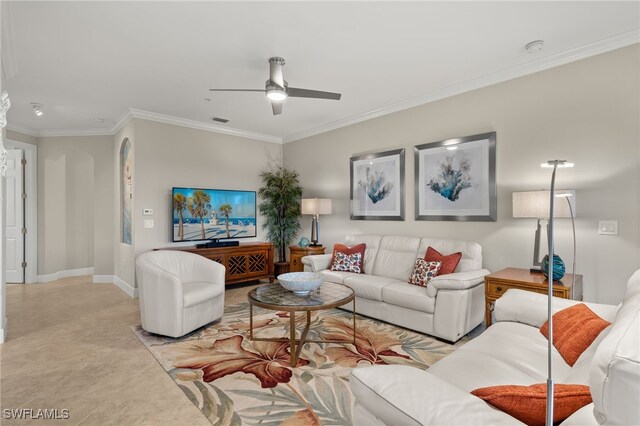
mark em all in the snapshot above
pixel 212 214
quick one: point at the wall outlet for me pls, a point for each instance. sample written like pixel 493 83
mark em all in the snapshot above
pixel 148 223
pixel 147 212
pixel 608 227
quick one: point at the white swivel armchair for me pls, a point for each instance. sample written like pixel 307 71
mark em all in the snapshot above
pixel 178 291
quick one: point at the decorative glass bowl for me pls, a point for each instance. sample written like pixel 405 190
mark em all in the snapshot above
pixel 301 283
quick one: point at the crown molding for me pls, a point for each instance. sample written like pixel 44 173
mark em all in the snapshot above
pixel 55 133
pixel 601 46
pixel 24 130
pixel 198 125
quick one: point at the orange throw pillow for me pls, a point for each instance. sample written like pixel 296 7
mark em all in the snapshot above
pixel 529 403
pixel 574 329
pixel 448 263
pixel 358 248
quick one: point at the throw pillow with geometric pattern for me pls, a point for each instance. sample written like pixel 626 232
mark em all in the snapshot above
pixel 423 271
pixel 347 262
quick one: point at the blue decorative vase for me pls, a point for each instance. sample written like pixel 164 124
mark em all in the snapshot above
pixel 304 242
pixel 558 267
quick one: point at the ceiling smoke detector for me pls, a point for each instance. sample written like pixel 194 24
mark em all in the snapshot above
pixel 37 109
pixel 534 46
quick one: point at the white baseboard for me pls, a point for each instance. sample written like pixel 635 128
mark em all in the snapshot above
pixel 64 274
pixel 119 282
pixel 3 330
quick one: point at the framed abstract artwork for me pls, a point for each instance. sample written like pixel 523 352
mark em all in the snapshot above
pixel 377 186
pixel 455 179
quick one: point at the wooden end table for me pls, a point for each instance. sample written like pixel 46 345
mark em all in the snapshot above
pixel 275 297
pixel 296 253
pixel 495 285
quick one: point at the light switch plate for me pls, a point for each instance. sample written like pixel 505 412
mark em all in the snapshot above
pixel 147 212
pixel 608 227
pixel 148 223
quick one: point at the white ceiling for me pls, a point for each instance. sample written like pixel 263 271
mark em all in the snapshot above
pixel 87 60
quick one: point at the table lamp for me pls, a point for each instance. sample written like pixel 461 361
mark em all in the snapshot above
pixel 315 207
pixel 535 205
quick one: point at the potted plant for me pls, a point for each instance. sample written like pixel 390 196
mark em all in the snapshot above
pixel 281 193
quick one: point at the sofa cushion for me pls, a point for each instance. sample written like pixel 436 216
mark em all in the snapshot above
pixel 528 403
pixel 347 262
pixel 372 243
pixel 195 293
pixel 471 252
pixel 368 286
pixel 574 329
pixel 448 262
pixel 615 369
pixel 423 271
pixel 507 353
pixel 349 251
pixel 408 296
pixel 395 257
pixel 335 276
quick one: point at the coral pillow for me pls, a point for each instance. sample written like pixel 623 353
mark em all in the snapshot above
pixel 423 271
pixel 346 250
pixel 529 403
pixel 574 329
pixel 448 263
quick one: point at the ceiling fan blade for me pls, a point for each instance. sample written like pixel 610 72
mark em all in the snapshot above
pixel 316 94
pixel 237 90
pixel 276 107
pixel 275 71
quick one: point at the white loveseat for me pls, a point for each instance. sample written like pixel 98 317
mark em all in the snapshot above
pixel 511 352
pixel 448 308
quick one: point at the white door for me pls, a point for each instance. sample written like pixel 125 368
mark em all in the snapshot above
pixel 14 217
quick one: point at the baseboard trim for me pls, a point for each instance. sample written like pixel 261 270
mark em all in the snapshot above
pixel 64 274
pixel 119 282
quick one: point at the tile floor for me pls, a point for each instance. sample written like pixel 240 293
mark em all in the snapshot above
pixel 69 346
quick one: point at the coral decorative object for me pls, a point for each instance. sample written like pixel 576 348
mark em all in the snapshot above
pixel 558 267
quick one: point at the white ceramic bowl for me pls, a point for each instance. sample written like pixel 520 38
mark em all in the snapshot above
pixel 301 283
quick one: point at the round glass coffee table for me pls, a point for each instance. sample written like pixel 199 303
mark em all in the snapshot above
pixel 275 297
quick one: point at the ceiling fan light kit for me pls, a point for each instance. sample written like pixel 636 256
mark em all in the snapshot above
pixel 277 90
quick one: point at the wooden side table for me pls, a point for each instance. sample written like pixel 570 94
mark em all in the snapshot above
pixel 296 253
pixel 495 285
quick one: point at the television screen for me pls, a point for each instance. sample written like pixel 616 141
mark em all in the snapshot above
pixel 207 214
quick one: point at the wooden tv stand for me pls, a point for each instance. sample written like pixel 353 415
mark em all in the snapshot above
pixel 246 262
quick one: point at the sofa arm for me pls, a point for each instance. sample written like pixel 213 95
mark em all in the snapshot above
pixel 531 308
pixel 459 280
pixel 317 262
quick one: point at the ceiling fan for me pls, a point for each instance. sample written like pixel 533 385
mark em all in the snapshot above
pixel 277 89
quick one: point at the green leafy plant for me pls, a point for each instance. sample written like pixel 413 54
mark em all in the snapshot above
pixel 281 193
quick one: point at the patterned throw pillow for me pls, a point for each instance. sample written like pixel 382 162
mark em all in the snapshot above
pixel 358 248
pixel 347 262
pixel 423 271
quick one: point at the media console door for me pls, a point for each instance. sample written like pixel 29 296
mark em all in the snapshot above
pixel 246 262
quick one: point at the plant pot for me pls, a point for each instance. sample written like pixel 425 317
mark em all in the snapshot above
pixel 281 268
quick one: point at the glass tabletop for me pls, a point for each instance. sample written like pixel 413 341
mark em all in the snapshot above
pixel 275 296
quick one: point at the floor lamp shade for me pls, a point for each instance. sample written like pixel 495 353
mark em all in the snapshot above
pixel 315 207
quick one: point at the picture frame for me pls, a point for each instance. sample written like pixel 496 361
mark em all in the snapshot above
pixel 378 186
pixel 455 179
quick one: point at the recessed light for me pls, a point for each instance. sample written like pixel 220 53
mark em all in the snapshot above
pixel 534 46
pixel 98 120
pixel 37 109
pixel 452 148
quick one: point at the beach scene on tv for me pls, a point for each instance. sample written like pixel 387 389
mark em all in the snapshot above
pixel 206 214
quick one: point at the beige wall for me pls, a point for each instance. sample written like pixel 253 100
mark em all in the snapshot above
pixel 587 112
pixel 75 204
pixel 167 156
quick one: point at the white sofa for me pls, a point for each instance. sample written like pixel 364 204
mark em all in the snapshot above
pixel 512 351
pixel 448 308
pixel 178 291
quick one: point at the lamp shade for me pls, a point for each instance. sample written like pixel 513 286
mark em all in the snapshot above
pixel 316 206
pixel 535 204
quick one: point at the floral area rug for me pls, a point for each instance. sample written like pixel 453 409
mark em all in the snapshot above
pixel 235 381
